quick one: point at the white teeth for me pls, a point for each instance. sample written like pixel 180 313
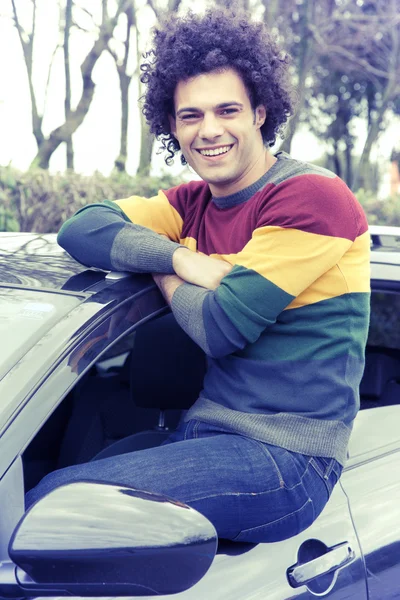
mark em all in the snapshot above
pixel 215 152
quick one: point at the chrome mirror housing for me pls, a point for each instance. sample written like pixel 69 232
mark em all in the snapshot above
pixel 98 539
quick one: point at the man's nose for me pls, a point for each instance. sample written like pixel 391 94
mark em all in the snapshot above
pixel 211 127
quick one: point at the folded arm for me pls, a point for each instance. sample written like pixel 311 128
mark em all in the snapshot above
pixel 267 275
pixel 100 235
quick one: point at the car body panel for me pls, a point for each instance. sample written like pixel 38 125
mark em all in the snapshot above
pixel 367 442
pixel 373 489
pixel 362 511
pixel 32 260
pixel 258 572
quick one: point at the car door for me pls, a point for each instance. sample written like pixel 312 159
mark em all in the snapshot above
pixel 372 483
pixel 260 572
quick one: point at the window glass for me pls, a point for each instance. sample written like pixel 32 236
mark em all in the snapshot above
pixel 25 318
pixel 385 320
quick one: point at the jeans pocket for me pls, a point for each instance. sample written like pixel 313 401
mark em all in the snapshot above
pixel 328 469
pixel 282 528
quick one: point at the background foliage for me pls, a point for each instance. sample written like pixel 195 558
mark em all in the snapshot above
pixel 40 202
pixel 345 66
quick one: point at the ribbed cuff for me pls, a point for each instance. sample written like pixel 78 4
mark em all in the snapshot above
pixel 187 306
pixel 136 248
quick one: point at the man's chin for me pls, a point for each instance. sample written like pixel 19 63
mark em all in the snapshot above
pixel 214 178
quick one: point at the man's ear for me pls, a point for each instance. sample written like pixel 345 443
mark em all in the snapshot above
pixel 261 115
pixel 172 124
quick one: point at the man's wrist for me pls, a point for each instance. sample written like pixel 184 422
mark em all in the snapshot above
pixel 167 284
pixel 178 259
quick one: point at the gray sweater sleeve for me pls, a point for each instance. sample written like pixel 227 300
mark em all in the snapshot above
pixel 101 236
pixel 197 311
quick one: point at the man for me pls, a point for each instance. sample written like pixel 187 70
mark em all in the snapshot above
pixel 265 263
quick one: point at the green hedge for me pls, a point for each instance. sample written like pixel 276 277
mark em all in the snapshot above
pixel 39 201
pixel 380 212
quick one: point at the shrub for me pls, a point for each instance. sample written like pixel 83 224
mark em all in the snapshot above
pixel 380 212
pixel 40 202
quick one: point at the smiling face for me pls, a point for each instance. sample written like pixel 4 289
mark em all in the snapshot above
pixel 219 132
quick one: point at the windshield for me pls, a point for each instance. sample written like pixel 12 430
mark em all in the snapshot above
pixel 25 317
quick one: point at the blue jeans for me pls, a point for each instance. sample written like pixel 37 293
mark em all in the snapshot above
pixel 249 490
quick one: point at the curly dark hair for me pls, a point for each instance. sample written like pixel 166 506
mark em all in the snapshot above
pixel 221 38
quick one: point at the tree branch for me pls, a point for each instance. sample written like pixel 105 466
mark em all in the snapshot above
pixel 340 50
pixel 154 9
pixel 48 77
pixel 27 49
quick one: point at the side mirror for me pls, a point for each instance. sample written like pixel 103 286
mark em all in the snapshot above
pixel 97 539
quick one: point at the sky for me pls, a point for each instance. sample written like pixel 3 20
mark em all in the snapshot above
pixel 96 142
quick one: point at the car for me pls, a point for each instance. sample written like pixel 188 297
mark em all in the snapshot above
pixel 83 369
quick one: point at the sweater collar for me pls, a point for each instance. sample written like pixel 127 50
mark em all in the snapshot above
pixel 248 192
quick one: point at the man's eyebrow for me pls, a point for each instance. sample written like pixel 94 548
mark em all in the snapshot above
pixel 188 109
pixel 227 104
pixel 195 109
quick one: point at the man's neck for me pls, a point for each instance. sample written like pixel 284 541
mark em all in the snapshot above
pixel 258 169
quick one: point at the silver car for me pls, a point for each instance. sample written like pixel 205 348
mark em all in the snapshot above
pixel 81 367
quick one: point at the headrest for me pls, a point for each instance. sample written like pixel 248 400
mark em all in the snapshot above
pixel 379 369
pixel 167 367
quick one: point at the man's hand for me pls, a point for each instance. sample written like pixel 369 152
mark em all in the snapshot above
pixel 199 269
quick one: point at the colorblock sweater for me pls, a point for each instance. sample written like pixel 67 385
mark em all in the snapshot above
pixel 285 331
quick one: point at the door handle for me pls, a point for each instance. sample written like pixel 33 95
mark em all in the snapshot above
pixel 335 558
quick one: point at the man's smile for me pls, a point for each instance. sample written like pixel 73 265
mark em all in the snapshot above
pixel 215 152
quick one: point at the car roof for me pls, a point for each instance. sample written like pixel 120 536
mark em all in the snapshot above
pixel 385 243
pixel 385 253
pixel 31 260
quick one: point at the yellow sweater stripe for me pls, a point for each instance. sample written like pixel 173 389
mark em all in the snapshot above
pixel 155 213
pixel 311 267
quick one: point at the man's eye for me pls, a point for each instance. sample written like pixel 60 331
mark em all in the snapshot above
pixel 228 111
pixel 189 117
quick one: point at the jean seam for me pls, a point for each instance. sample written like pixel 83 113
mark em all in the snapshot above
pixel 185 437
pixel 308 501
pixel 281 479
pixel 329 469
pixel 317 468
pixel 252 493
pixel 195 429
pixel 328 485
pixel 269 455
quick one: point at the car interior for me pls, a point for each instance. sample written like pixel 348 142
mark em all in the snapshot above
pixel 135 395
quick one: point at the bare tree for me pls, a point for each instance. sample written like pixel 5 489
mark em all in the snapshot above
pixel 365 38
pixel 73 118
pixel 27 40
pixel 125 79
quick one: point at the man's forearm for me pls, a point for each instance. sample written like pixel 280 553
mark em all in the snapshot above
pixel 99 236
pixel 167 284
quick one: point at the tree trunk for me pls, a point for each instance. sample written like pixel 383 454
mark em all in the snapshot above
pixel 362 177
pixel 124 83
pixel 67 70
pixel 27 48
pixel 76 117
pixel 146 148
pixel 349 163
pixel 65 131
pixel 306 58
pixel 336 159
